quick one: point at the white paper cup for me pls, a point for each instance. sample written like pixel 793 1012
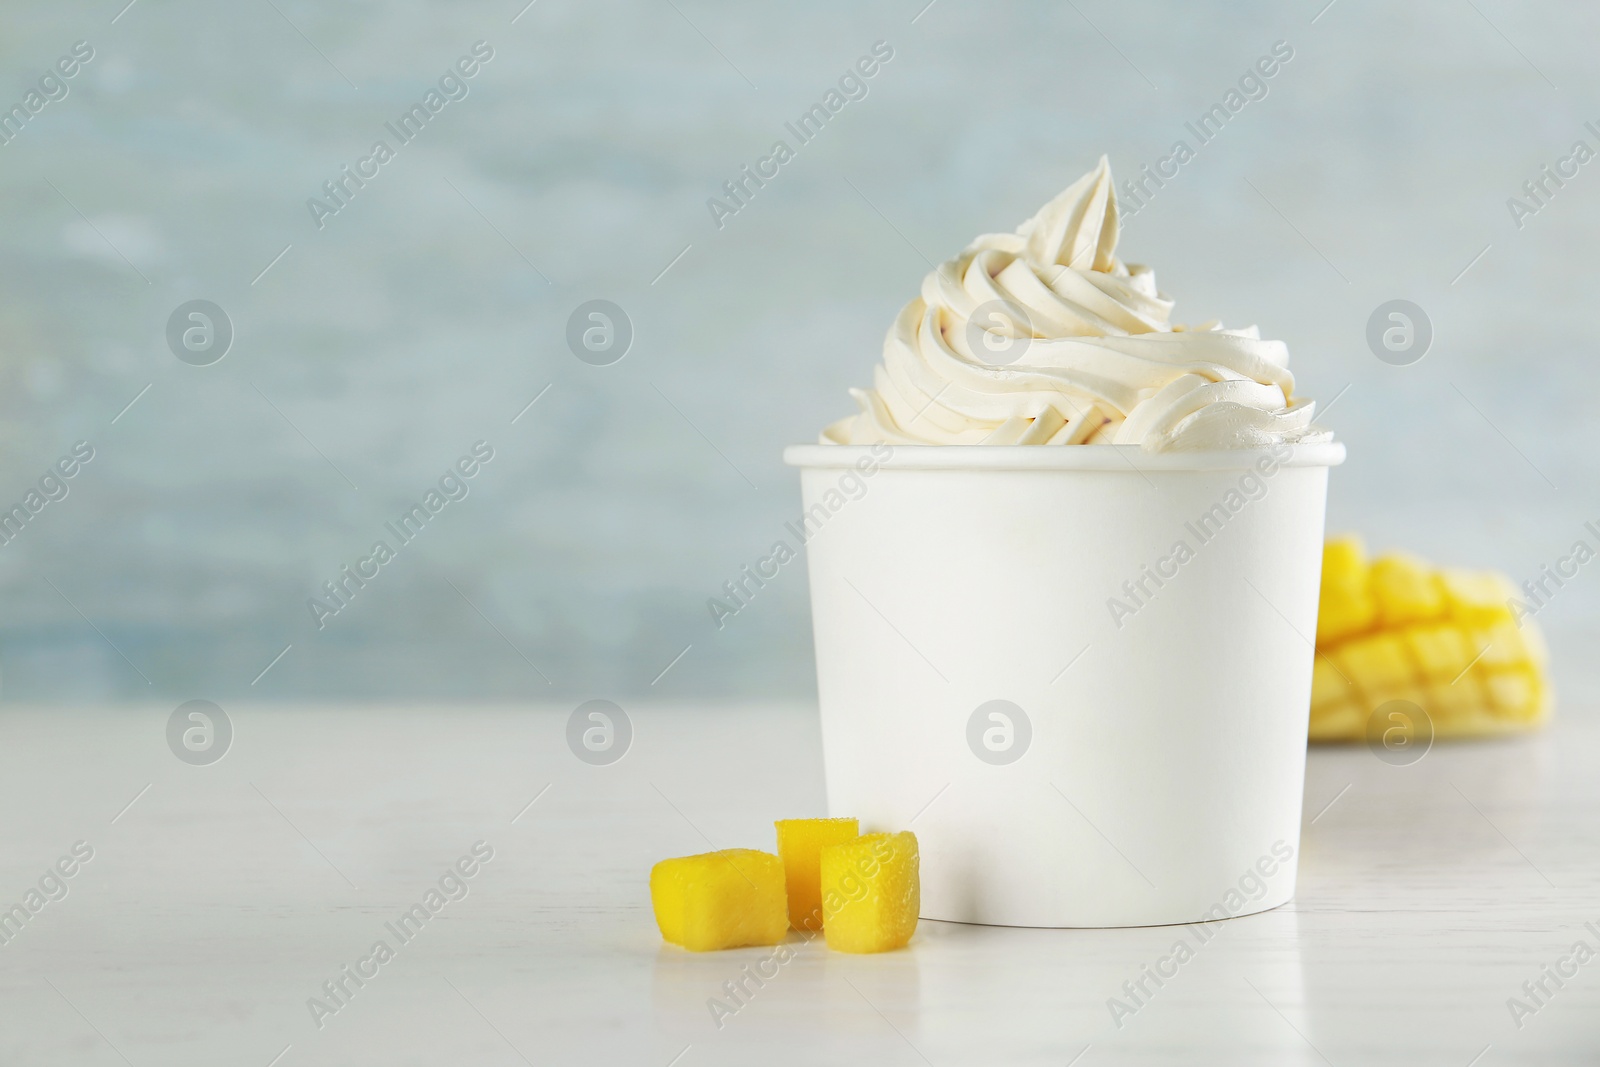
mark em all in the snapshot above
pixel 1147 763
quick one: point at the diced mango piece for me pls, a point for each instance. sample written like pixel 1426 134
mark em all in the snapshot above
pixel 1337 708
pixel 1347 606
pixel 1406 590
pixel 1377 661
pixel 871 892
pixel 1502 646
pixel 1515 694
pixel 1476 596
pixel 1341 722
pixel 1446 640
pixel 1440 651
pixel 1510 646
pixel 1455 705
pixel 720 899
pixel 1329 688
pixel 800 843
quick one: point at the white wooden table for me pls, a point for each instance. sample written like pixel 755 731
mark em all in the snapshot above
pixel 223 897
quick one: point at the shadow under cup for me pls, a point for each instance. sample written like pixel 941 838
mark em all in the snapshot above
pixel 1081 674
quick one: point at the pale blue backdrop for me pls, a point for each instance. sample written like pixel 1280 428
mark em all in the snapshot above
pixel 576 164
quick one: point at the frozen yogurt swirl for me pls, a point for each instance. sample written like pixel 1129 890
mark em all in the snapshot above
pixel 1044 337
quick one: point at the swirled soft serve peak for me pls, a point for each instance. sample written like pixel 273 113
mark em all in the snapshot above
pixel 1045 337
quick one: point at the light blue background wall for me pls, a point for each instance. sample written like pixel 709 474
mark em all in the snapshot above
pixel 424 315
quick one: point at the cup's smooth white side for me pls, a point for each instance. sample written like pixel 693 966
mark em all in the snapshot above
pixel 1164 774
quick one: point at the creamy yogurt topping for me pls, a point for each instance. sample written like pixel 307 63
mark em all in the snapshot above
pixel 1044 337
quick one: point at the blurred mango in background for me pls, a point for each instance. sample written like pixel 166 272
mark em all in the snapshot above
pixel 1447 640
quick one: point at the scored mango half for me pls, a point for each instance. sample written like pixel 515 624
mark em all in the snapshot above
pixel 1449 641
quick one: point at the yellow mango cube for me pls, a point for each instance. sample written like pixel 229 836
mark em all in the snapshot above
pixel 1512 647
pixel 720 900
pixel 1337 708
pixel 1378 662
pixel 1454 704
pixel 1516 694
pixel 1440 650
pixel 1476 597
pixel 800 843
pixel 1329 688
pixel 871 892
pixel 1502 646
pixel 1337 722
pixel 1347 606
pixel 1406 590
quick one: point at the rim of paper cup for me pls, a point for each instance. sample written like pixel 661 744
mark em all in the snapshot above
pixel 1059 457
